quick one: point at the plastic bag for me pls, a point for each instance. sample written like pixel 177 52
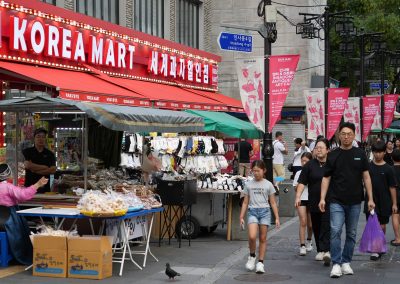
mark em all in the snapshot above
pixel 373 239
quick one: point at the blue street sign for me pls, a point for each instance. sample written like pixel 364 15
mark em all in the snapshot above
pixel 377 86
pixel 235 42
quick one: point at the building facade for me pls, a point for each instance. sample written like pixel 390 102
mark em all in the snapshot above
pixel 197 24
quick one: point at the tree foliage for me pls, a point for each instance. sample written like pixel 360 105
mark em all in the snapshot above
pixel 371 16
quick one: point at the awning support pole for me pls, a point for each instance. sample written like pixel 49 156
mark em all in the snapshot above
pixel 17 133
pixel 85 151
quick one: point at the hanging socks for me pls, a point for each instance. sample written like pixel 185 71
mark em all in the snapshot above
pixel 253 254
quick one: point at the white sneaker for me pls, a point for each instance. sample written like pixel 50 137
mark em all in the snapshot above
pixel 303 251
pixel 327 258
pixel 374 256
pixel 336 271
pixel 251 263
pixel 319 256
pixel 346 269
pixel 260 268
pixel 309 246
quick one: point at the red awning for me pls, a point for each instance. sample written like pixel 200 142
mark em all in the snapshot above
pixel 234 104
pixel 74 85
pixel 83 86
pixel 171 97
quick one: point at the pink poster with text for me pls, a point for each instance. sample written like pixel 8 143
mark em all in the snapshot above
pixel 371 115
pixel 282 69
pixel 389 101
pixel 337 100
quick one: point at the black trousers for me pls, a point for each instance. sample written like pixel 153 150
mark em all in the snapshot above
pixel 321 229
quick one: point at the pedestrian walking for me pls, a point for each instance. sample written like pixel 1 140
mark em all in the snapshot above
pixel 243 152
pixel 313 143
pixel 346 170
pixel 300 148
pixel 303 211
pixel 388 153
pixel 396 216
pixel 280 149
pixel 397 144
pixel 383 189
pixel 311 176
pixel 259 198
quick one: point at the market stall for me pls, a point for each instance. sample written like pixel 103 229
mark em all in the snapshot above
pixel 213 186
pixel 117 118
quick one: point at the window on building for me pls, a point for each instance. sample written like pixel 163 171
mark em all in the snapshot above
pixel 53 2
pixel 107 10
pixel 187 22
pixel 149 16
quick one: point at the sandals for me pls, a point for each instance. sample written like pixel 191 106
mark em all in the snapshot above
pixel 394 243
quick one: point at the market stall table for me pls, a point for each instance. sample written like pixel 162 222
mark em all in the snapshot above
pixel 229 194
pixel 122 233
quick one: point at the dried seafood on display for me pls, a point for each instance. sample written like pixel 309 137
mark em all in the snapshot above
pixel 99 202
pixel 151 201
pixel 49 231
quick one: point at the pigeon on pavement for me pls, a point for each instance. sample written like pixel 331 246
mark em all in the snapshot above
pixel 170 272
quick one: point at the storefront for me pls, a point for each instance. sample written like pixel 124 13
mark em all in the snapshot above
pixel 72 56
pixel 49 51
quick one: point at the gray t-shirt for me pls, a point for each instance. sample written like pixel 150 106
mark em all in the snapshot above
pixel 258 192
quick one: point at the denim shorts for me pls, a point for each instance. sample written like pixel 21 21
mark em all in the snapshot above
pixel 261 216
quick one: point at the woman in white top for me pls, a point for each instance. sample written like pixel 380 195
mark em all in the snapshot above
pixel 303 212
pixel 300 148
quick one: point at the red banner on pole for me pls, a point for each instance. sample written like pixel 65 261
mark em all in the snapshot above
pixel 389 102
pixel 281 73
pixel 337 100
pixel 371 115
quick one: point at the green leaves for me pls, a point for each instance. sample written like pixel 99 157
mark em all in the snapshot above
pixel 373 16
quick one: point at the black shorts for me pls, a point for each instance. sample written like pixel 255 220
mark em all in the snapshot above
pixel 383 220
pixel 304 203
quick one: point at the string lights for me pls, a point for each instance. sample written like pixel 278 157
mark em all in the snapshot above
pixel 99 30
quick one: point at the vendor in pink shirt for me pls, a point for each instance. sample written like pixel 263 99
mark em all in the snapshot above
pixel 10 194
pixel 15 226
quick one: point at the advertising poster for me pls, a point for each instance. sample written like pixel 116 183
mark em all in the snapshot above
pixel 337 99
pixel 352 114
pixel 282 69
pixel 389 101
pixel 251 84
pixel 315 102
pixel 371 115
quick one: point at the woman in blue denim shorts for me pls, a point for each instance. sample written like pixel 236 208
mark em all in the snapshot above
pixel 259 197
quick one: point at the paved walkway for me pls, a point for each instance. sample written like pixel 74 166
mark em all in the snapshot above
pixel 211 259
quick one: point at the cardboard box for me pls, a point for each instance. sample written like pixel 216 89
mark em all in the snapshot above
pixel 90 257
pixel 49 256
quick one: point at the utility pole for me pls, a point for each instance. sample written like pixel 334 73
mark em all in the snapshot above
pixel 327 61
pixel 268 150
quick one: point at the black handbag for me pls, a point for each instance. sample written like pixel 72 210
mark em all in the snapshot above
pixel 290 167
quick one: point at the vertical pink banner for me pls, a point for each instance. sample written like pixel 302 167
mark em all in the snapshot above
pixel 371 115
pixel 352 114
pixel 281 73
pixel 251 85
pixel 389 102
pixel 337 100
pixel 315 101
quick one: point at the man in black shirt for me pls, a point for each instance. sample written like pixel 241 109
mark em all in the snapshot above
pixel 39 161
pixel 396 216
pixel 346 169
pixel 243 152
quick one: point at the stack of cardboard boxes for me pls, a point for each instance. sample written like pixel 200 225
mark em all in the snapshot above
pixel 73 257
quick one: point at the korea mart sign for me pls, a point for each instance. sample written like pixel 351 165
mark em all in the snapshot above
pixel 31 36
